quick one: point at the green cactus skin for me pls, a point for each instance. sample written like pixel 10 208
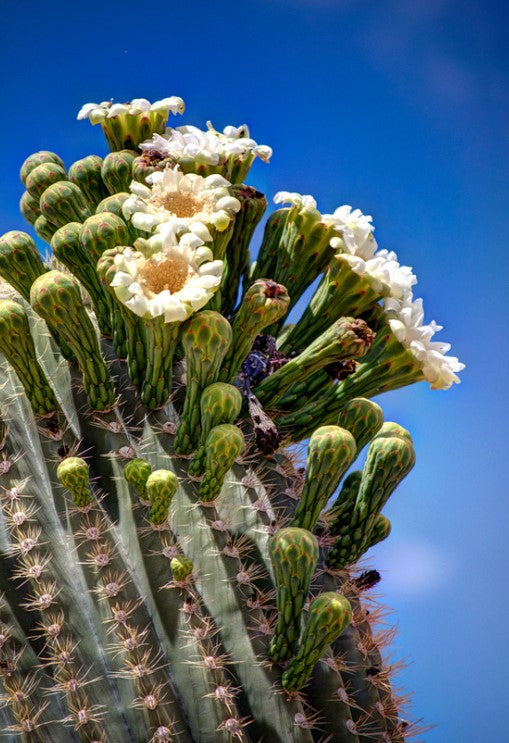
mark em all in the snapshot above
pixel 86 174
pixel 160 486
pixel 37 158
pixel 206 338
pixel 223 444
pixel 117 169
pixel 390 458
pixel 17 346
pixel 144 602
pixel 340 512
pixel 160 343
pixel 253 206
pixel 56 298
pixel 66 246
pixel 137 472
pixel 294 554
pixel 73 474
pixel 29 208
pixel 263 303
pixel 304 251
pixel 219 403
pixel 328 616
pixel 266 261
pixel 43 176
pixel 347 338
pixel 64 202
pixel 331 451
pixel 341 292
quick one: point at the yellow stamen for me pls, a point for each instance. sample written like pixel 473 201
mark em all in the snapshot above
pixel 180 204
pixel 163 273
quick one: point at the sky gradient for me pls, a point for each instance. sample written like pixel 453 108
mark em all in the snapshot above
pixel 399 108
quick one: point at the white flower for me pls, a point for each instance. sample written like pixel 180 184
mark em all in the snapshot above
pixel 173 282
pixel 385 274
pixel 97 112
pixel 406 319
pixel 302 201
pixel 208 146
pixel 189 202
pixel 356 231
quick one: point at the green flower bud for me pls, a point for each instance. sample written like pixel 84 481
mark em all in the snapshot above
pixel 73 474
pixel 137 472
pixel 117 171
pixel 264 302
pixel 223 444
pixel 45 228
pixel 363 418
pixel 340 515
pixel 67 247
pixel 102 232
pixel 29 207
pixel 341 292
pixel 17 346
pixel 43 176
pixel 37 158
pixel 294 554
pixel 329 614
pixel 331 451
pixel 219 403
pixel 56 297
pixel 348 338
pixel 64 202
pixel 181 567
pixel 86 173
pixel 20 261
pixel 206 337
pixel 389 459
pixel 161 486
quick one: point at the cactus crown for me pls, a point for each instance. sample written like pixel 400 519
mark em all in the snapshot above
pixel 168 572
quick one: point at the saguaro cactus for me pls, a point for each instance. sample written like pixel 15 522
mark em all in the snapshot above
pixel 168 571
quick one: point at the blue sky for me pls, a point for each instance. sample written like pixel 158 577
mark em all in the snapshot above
pixel 400 108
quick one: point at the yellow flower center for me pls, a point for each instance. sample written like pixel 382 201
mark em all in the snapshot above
pixel 164 272
pixel 180 204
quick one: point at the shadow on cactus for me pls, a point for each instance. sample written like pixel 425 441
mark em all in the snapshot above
pixel 169 572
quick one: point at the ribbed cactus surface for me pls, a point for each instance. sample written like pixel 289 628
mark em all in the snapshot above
pixel 169 569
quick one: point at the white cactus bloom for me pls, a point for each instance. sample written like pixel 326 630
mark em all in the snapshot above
pixel 190 202
pixel 356 231
pixel 406 319
pixel 302 201
pixel 97 112
pixel 175 281
pixel 209 147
